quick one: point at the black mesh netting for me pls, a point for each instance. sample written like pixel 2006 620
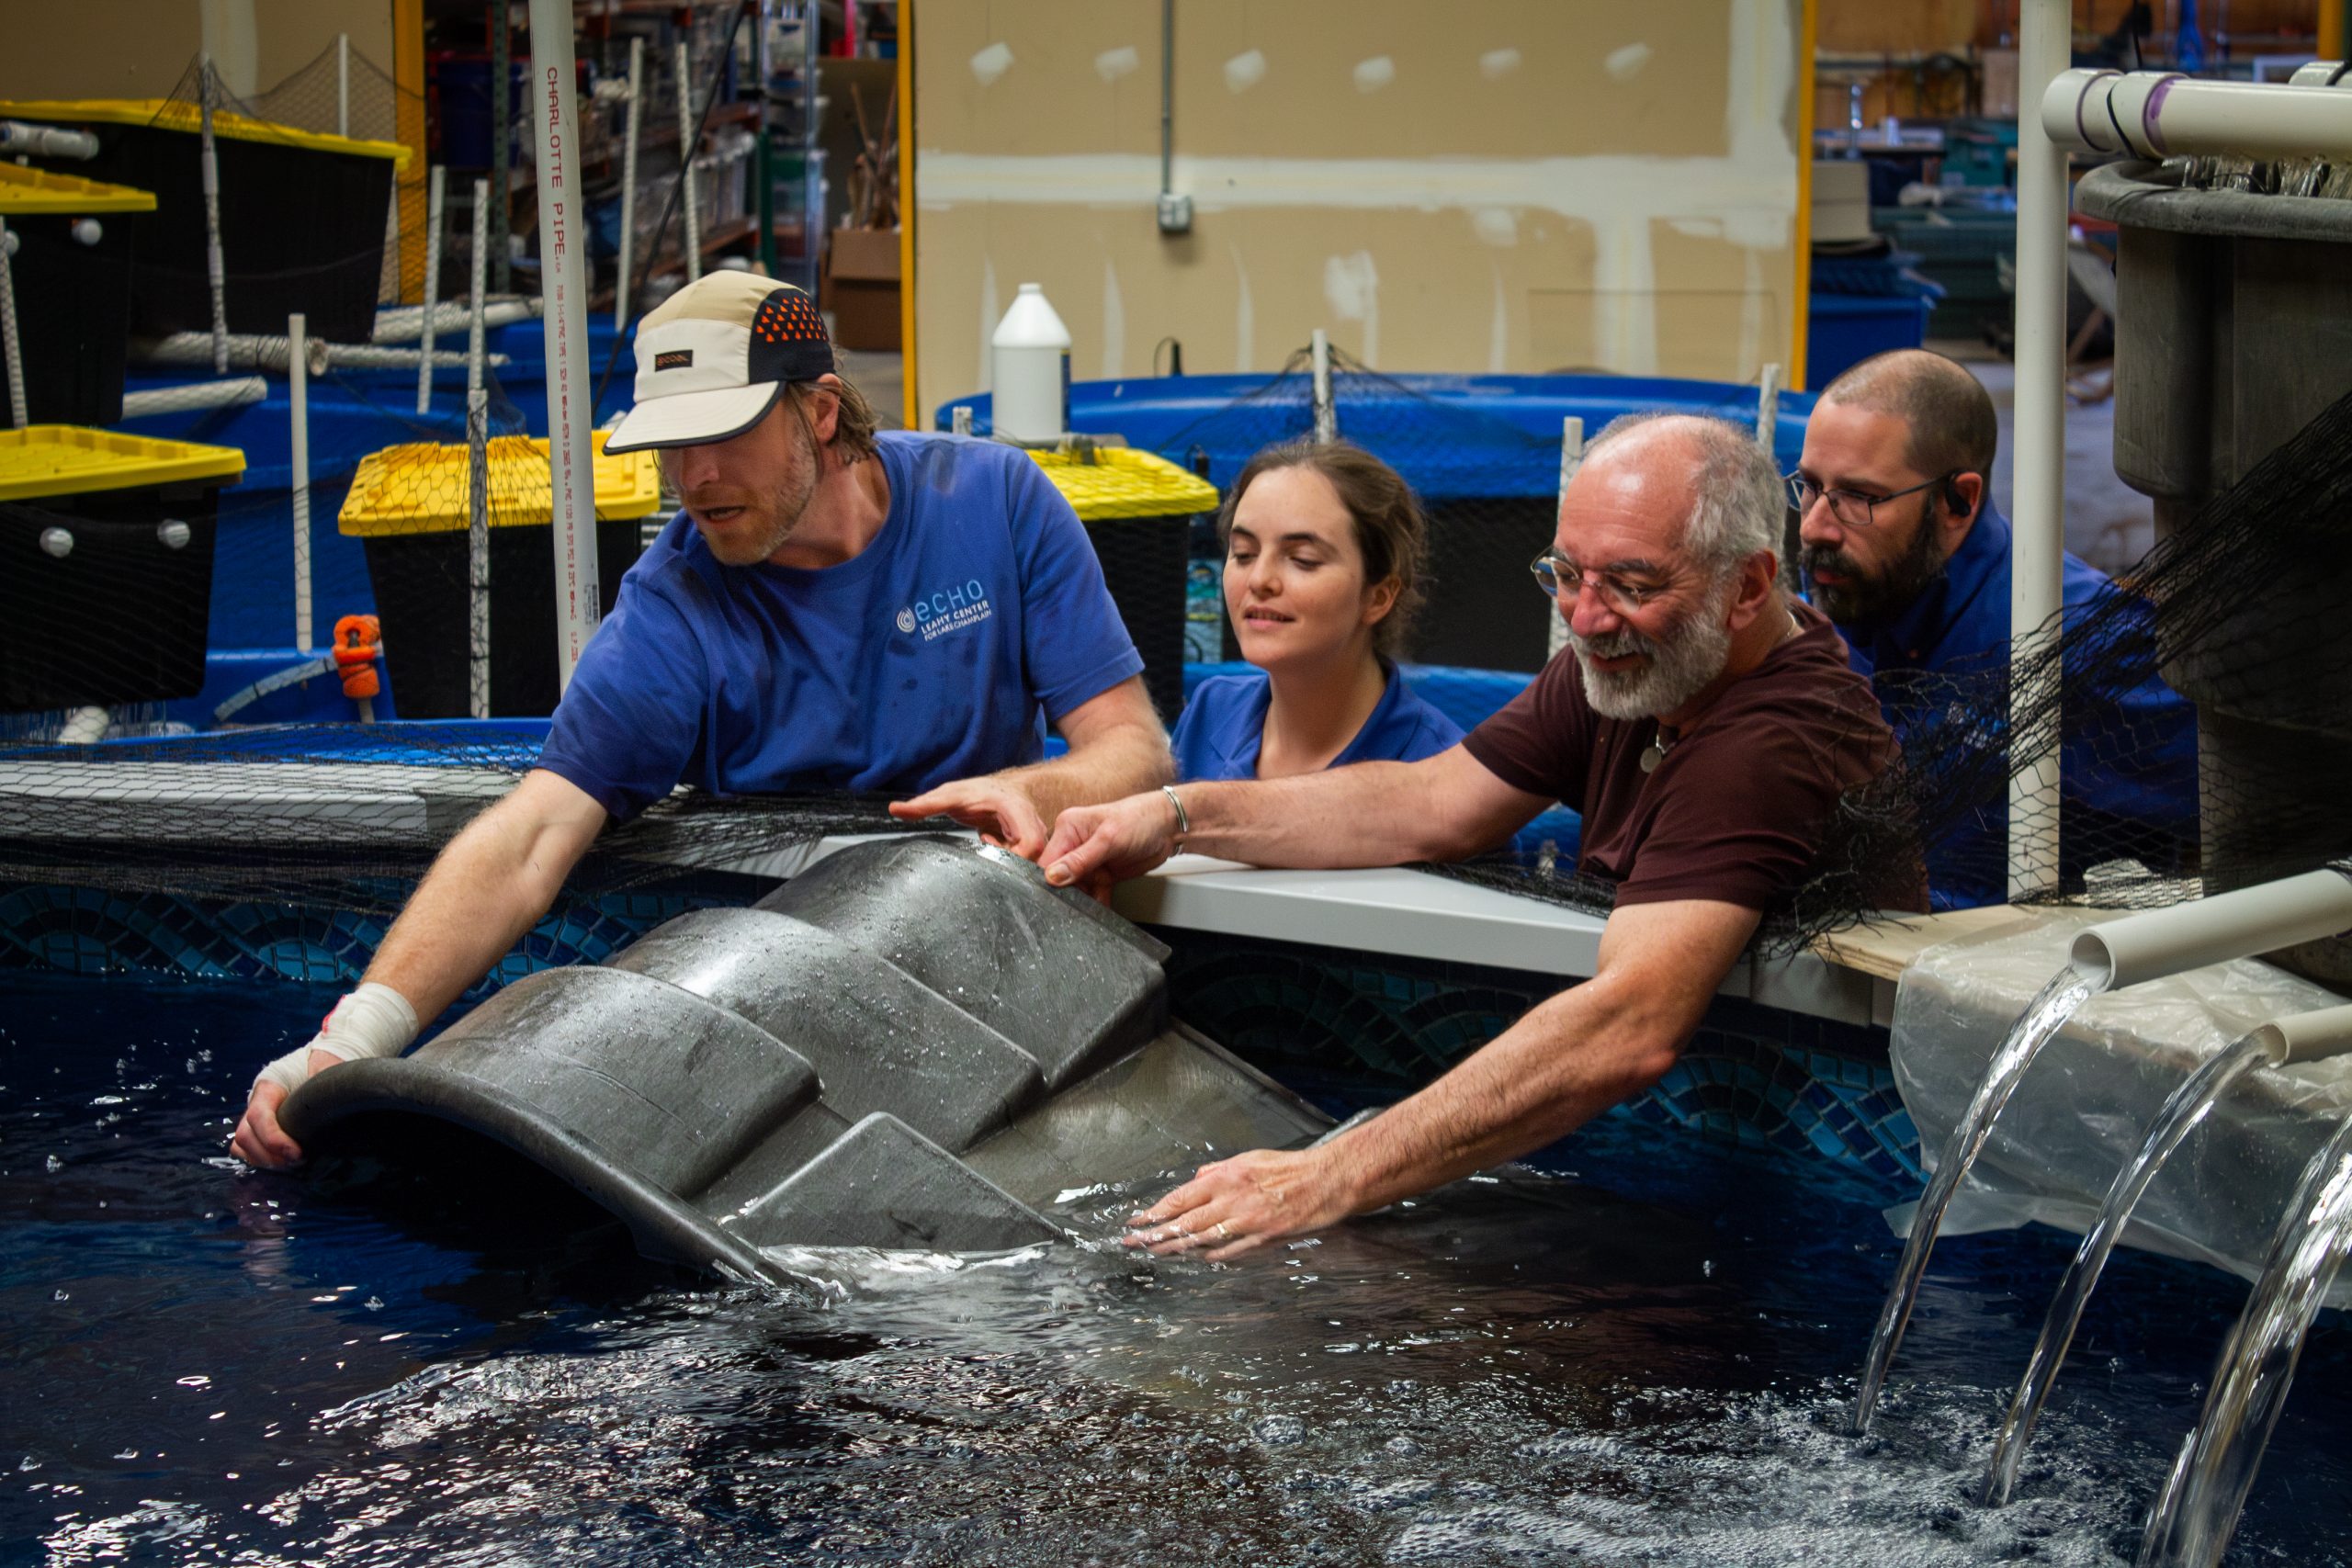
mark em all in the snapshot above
pixel 2237 610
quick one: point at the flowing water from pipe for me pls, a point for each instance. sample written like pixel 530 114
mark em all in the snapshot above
pixel 2198 1510
pixel 2042 1018
pixel 2181 1115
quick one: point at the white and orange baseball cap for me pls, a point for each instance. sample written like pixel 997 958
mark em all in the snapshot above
pixel 713 359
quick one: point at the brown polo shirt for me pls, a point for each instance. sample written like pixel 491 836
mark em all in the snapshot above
pixel 1738 808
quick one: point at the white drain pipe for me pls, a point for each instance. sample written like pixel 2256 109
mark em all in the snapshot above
pixel 2149 946
pixel 398 324
pixel 2038 517
pixel 2157 114
pixel 342 84
pixel 564 322
pixel 1327 417
pixel 215 269
pixel 45 140
pixel 9 348
pixel 2306 1036
pixel 259 351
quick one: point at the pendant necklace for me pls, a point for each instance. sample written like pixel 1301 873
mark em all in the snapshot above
pixel 1654 752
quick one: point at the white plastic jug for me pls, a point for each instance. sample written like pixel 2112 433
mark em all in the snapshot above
pixel 1030 363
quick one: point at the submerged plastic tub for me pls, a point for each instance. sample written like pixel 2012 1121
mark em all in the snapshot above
pixel 302 214
pixel 106 565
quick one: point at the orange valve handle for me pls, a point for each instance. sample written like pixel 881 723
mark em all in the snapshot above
pixel 358 642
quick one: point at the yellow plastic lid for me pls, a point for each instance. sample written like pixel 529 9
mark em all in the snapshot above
pixel 424 487
pixel 36 192
pixel 71 459
pixel 179 114
pixel 1123 482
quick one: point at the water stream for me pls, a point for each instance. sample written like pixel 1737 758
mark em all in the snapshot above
pixel 2181 1115
pixel 2198 1510
pixel 2042 1018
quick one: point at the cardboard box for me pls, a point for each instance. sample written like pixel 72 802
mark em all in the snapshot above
pixel 860 288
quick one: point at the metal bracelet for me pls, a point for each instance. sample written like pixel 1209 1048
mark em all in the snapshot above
pixel 1183 822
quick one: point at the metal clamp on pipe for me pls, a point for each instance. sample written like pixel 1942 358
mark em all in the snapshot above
pixel 2122 953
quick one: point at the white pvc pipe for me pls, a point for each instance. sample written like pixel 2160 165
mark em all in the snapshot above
pixel 2117 954
pixel 686 166
pixel 1571 459
pixel 238 392
pixel 46 141
pixel 572 457
pixel 215 269
pixel 298 400
pixel 1768 410
pixel 628 181
pixel 342 84
pixel 1327 417
pixel 2162 114
pixel 2038 515
pixel 2307 1036
pixel 398 324
pixel 477 471
pixel 10 350
pixel 435 182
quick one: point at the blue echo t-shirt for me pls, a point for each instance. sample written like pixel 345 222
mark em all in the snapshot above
pixel 1224 723
pixel 977 616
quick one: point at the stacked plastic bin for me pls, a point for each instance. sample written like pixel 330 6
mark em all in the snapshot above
pixel 1138 511
pixel 106 565
pixel 72 276
pixel 411 508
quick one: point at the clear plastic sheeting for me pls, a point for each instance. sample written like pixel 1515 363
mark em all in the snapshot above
pixel 2085 1105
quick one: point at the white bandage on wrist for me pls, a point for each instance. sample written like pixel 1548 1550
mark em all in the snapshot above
pixel 374 1021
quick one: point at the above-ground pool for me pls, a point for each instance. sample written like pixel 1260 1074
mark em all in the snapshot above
pixel 1646 1360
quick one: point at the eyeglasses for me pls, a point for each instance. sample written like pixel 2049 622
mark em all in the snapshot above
pixel 1851 507
pixel 1558 577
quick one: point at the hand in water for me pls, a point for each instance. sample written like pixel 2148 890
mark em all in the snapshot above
pixel 259 1140
pixel 999 808
pixel 1238 1204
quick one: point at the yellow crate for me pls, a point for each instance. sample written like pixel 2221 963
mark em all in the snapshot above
pixel 1121 482
pixel 30 193
pixel 179 114
pixel 425 488
pixel 71 459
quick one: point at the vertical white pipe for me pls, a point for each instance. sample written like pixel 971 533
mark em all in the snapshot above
pixel 342 84
pixel 477 471
pixel 628 182
pixel 686 165
pixel 298 400
pixel 215 270
pixel 564 322
pixel 1327 417
pixel 1571 459
pixel 1768 410
pixel 2045 46
pixel 436 183
pixel 8 348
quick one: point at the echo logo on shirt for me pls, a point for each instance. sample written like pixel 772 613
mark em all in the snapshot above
pixel 951 610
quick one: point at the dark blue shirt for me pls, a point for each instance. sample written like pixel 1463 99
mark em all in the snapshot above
pixel 2128 761
pixel 1225 722
pixel 974 617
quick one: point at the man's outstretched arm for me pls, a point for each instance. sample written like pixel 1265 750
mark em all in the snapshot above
pixel 1567 1061
pixel 489 886
pixel 1116 747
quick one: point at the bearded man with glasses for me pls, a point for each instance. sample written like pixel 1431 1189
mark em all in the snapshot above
pixel 1704 722
pixel 1904 551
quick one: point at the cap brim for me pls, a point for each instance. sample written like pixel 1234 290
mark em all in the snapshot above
pixel 693 419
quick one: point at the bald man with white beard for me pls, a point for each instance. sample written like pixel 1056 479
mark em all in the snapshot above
pixel 1704 722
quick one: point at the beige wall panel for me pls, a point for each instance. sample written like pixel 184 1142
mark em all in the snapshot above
pixel 140 49
pixel 1908 27
pixel 1522 185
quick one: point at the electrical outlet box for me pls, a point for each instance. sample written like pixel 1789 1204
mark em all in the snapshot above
pixel 1175 213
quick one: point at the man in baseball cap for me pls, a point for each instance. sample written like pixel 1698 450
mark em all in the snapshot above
pixel 832 608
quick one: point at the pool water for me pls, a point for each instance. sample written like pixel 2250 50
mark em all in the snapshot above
pixel 1644 1360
